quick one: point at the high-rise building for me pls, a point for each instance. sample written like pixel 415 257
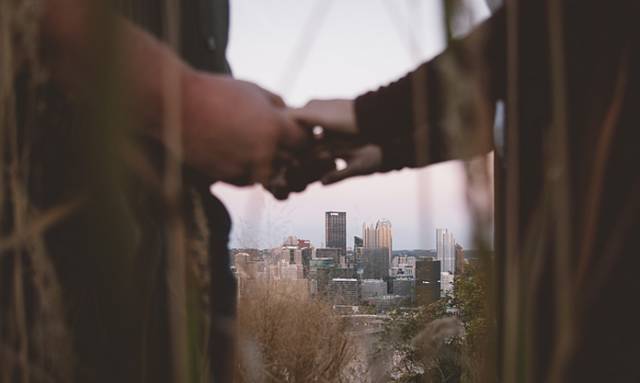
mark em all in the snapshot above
pixel 378 236
pixel 370 240
pixel 446 250
pixel 375 263
pixel 357 242
pixel 335 228
pixel 384 236
pixel 427 282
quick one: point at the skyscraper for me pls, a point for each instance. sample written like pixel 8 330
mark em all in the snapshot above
pixel 446 250
pixel 378 236
pixel 369 236
pixel 335 227
pixel 383 236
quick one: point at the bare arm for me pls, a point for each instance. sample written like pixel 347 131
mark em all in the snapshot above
pixel 231 129
pixel 78 32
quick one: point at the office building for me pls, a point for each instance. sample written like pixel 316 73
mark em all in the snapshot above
pixel 427 282
pixel 334 254
pixel 404 287
pixel 370 240
pixel 375 263
pixel 306 254
pixel 460 261
pixel 291 254
pixel 384 236
pixel 304 243
pixel 344 291
pixel 446 250
pixel 320 272
pixel 378 236
pixel 357 242
pixel 446 283
pixel 336 230
pixel 403 266
pixel 372 288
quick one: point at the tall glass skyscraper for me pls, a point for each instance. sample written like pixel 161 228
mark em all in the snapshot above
pixel 446 250
pixel 378 236
pixel 335 227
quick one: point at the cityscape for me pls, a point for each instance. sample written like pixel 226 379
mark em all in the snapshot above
pixel 359 275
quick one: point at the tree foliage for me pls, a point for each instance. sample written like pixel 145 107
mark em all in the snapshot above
pixel 444 341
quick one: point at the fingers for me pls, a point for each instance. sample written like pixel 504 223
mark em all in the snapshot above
pixel 293 174
pixel 334 115
pixel 361 161
pixel 277 184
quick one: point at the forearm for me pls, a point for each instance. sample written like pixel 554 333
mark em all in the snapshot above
pixel 444 109
pixel 84 40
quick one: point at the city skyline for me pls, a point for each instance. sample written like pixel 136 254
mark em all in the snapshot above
pixel 370 237
pixel 249 234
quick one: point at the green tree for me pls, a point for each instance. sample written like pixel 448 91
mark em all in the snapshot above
pixel 444 341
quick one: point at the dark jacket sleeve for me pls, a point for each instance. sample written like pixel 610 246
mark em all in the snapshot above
pixel 444 109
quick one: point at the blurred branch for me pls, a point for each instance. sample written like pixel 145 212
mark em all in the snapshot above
pixel 306 40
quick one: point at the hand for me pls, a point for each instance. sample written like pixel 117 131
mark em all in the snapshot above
pixel 336 116
pixel 295 174
pixel 233 129
pixel 360 161
pixel 337 140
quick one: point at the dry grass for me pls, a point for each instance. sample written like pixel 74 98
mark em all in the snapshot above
pixel 286 337
pixel 35 344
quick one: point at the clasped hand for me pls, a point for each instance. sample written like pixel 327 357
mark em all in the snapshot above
pixel 333 134
pixel 239 133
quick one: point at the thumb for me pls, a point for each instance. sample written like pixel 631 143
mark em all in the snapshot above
pixel 339 175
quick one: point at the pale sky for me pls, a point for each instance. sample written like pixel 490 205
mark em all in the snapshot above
pixel 304 49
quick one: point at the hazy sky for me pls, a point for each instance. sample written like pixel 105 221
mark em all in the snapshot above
pixel 307 49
